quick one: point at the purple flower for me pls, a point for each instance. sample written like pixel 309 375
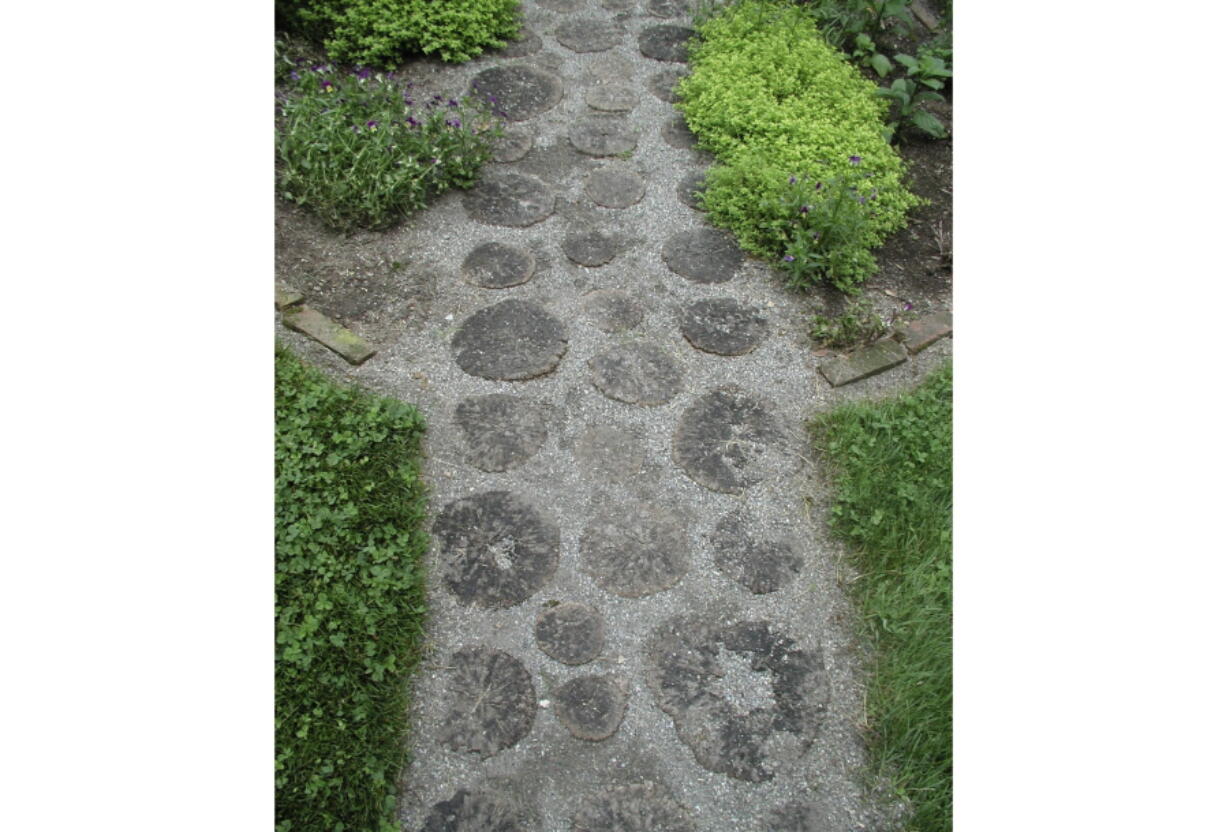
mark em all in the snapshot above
pixel 412 122
pixel 493 99
pixel 861 200
pixel 855 160
pixel 294 76
pixel 316 67
pixel 788 258
pixel 363 73
pixel 907 307
pixel 817 235
pixel 818 186
pixel 452 103
pixel 452 122
pixel 371 125
pixel 804 209
pixel 326 86
pixel 434 161
pixel 791 180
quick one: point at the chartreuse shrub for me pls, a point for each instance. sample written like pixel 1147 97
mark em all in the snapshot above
pixel 350 600
pixel 382 33
pixel 359 151
pixel 804 170
pixel 891 465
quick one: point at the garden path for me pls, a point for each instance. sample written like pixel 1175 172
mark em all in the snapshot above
pixel 636 616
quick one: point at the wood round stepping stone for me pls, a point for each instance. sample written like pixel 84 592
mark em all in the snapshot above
pixel 611 187
pixel 510 341
pixel 665 42
pixel 724 326
pixel 636 549
pixel 690 673
pixel 589 248
pixel 511 146
pixel 662 85
pixel 570 633
pixel 509 199
pixel 670 8
pixel 758 564
pixel 642 807
pixel 493 703
pixel 703 255
pixel 612 310
pixel 612 453
pixel 497 549
pixel 480 811
pixel 588 34
pixel 611 98
pixel 641 374
pixel 602 135
pixel 501 431
pixel 591 707
pixel 498 265
pixel 691 187
pixel 728 440
pixel 526 43
pixel 520 91
pixel 676 133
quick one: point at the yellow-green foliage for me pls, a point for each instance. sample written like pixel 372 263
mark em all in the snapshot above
pixel 772 100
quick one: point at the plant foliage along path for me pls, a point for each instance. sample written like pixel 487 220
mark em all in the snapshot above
pixel 636 614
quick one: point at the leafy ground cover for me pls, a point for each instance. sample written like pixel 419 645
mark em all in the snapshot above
pixel 806 177
pixel 891 466
pixel 382 33
pixel 359 151
pixel 350 599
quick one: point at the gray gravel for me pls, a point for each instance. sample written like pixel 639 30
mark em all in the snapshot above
pixel 599 452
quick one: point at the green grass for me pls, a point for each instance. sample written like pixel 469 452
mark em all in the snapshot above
pixel 892 470
pixel 350 599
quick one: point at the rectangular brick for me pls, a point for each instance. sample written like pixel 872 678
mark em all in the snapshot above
pixel 332 335
pixel 868 361
pixel 924 332
pixel 287 298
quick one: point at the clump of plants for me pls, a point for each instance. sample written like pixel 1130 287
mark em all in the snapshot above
pixel 360 151
pixel 350 599
pixel 858 325
pixel 783 111
pixel 382 33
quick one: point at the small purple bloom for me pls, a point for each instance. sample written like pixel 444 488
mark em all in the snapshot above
pixel 452 103
pixel 907 307
pixel 316 67
pixel 855 160
pixel 412 122
pixel 861 200
pixel 493 99
pixel 434 161
pixel 294 76
pixel 818 186
pixel 362 73
pixel 788 258
pixel 326 86
pixel 804 209
pixel 791 180
pixel 452 122
pixel 372 125
pixel 817 235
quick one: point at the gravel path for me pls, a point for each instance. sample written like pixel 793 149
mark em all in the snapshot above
pixel 637 622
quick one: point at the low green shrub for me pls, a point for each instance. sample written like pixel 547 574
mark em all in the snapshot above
pixel 776 104
pixel 891 464
pixel 350 600
pixel 357 150
pixel 382 33
pixel 858 325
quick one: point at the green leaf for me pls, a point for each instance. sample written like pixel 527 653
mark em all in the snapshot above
pixel 881 63
pixel 910 63
pixel 928 123
pixel 928 96
pixel 933 83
